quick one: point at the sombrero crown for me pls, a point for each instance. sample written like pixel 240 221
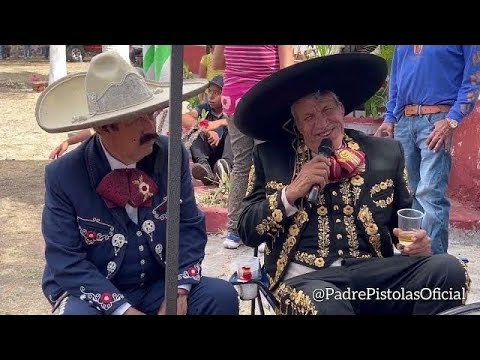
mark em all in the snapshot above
pixel 111 91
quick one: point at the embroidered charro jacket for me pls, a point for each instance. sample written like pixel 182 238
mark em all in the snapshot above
pixel 97 254
pixel 355 217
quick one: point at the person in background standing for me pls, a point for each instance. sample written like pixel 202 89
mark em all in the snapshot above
pixel 432 88
pixel 245 66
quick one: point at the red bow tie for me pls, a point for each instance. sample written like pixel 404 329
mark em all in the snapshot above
pixel 346 163
pixel 127 186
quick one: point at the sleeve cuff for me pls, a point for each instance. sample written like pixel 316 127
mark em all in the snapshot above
pixel 290 210
pixel 389 119
pixel 187 287
pixel 122 309
pixel 453 115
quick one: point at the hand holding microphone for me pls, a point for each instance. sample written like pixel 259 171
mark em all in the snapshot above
pixel 324 149
pixel 313 177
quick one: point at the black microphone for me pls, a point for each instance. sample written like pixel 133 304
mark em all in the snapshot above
pixel 325 149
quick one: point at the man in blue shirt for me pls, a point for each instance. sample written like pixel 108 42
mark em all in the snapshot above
pixel 432 88
pixel 212 148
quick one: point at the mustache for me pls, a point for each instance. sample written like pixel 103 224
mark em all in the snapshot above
pixel 147 137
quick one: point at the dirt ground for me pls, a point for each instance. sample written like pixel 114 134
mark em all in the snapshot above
pixel 24 150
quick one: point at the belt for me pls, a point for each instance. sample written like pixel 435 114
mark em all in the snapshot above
pixel 413 110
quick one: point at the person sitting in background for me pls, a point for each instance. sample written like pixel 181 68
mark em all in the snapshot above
pixel 212 149
pixel 206 70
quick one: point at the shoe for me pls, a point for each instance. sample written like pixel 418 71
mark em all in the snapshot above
pixel 221 169
pixel 261 248
pixel 232 241
pixel 203 172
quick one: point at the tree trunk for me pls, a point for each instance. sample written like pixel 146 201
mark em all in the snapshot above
pixel 123 50
pixel 58 63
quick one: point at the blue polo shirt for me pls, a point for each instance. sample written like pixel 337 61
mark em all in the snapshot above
pixel 437 75
pixel 211 116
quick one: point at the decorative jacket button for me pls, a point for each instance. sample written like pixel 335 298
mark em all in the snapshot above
pixel 142 275
pixel 118 240
pixel 142 262
pixel 339 236
pixel 141 248
pixel 148 226
pixel 139 233
pixel 111 267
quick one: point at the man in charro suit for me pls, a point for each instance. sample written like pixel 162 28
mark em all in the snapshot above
pixel 104 220
pixel 334 255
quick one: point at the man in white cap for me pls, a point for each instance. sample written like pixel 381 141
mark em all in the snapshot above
pixel 104 218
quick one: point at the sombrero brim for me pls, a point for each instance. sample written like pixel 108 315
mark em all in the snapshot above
pixel 353 77
pixel 64 99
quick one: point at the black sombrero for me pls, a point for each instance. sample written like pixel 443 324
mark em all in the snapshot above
pixel 353 77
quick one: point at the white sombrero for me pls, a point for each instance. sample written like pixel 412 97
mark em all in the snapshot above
pixel 111 91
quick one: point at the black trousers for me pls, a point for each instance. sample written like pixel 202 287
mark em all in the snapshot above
pixel 202 150
pixel 405 285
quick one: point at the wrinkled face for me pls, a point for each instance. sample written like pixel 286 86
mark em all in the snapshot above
pixel 319 116
pixel 214 93
pixel 131 140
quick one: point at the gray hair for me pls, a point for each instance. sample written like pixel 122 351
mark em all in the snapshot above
pixel 318 95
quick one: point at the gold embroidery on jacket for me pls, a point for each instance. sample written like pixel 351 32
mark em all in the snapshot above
pixel 323 228
pixel 468 281
pixel 268 250
pixel 251 180
pixel 380 187
pixel 351 235
pixel 384 203
pixel 274 185
pixel 300 218
pixel 310 259
pixel 371 228
pixel 295 302
pixel 347 190
pixel 271 225
pixel 377 188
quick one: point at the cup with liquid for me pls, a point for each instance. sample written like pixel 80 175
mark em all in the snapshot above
pixel 409 220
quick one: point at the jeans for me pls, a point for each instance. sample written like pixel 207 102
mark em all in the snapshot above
pixel 202 151
pixel 242 147
pixel 428 174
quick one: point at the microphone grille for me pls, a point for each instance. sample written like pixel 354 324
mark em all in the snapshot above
pixel 325 147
